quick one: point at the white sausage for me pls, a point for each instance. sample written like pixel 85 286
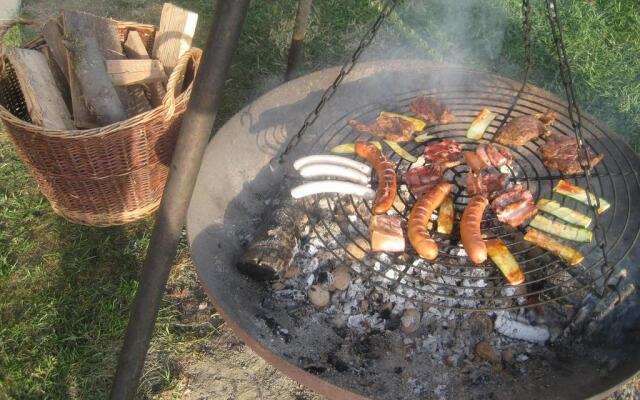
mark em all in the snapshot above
pixel 336 160
pixel 309 188
pixel 336 171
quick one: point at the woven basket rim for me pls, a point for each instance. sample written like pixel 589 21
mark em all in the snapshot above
pixel 165 108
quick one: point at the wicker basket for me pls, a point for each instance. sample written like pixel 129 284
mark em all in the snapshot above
pixel 103 176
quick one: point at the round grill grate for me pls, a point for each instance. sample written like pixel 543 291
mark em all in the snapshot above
pixel 452 281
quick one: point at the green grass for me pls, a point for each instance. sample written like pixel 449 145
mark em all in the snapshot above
pixel 65 290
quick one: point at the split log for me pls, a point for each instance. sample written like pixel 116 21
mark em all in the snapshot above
pixel 132 72
pixel 44 101
pixel 135 49
pixel 59 77
pixel 52 33
pixel 174 36
pixel 270 254
pixel 86 60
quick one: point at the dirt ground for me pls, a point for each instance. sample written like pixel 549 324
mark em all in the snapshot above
pixel 222 367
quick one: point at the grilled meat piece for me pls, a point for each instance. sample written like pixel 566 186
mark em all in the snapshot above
pixel 485 183
pixel 386 233
pixel 387 127
pixel 561 153
pixel 488 155
pixel 445 153
pixel 498 155
pixel 521 130
pixel 514 206
pixel 421 180
pixel 432 111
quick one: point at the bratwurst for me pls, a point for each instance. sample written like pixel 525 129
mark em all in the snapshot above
pixel 470 229
pixel 387 179
pixel 420 215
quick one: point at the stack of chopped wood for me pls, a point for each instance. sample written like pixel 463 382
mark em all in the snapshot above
pixel 85 77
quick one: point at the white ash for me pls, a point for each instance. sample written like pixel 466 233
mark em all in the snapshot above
pixel 382 288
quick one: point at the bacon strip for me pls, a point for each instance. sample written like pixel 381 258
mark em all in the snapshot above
pixel 419 218
pixel 386 233
pixel 387 179
pixel 514 206
pixel 421 180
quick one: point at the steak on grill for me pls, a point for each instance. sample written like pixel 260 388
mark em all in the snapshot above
pixel 445 153
pixel 392 128
pixel 485 183
pixel 421 180
pixel 521 130
pixel 432 111
pixel 561 153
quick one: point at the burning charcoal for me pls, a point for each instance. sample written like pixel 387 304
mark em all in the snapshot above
pixel 487 352
pixel 271 253
pixel 410 321
pixel 341 278
pixel 318 296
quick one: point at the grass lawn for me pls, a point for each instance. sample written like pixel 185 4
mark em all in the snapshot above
pixel 65 290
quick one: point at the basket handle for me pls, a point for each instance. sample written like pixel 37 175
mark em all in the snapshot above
pixel 176 79
pixel 4 28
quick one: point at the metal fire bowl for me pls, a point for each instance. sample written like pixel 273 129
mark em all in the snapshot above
pixel 236 180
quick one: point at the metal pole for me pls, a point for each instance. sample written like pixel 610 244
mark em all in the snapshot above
pixel 299 30
pixel 196 129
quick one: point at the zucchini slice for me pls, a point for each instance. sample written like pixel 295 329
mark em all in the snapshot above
pixel 579 194
pixel 418 125
pixel 505 261
pixel 350 148
pixel 446 216
pixel 480 124
pixel 570 255
pixel 424 137
pixel 561 230
pixel 564 213
pixel 400 151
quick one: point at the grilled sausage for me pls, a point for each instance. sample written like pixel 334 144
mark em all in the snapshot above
pixel 329 186
pixel 420 215
pixel 387 179
pixel 329 159
pixel 470 229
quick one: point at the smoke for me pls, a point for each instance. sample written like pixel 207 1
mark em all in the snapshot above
pixel 466 32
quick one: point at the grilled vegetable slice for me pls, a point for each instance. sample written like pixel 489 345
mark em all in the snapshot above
pixel 568 254
pixel 350 148
pixel 424 137
pixel 505 261
pixel 445 216
pixel 561 230
pixel 579 194
pixel 418 124
pixel 564 213
pixel 400 151
pixel 480 124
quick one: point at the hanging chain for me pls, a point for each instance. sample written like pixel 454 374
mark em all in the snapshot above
pixel 526 30
pixel 576 122
pixel 347 67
